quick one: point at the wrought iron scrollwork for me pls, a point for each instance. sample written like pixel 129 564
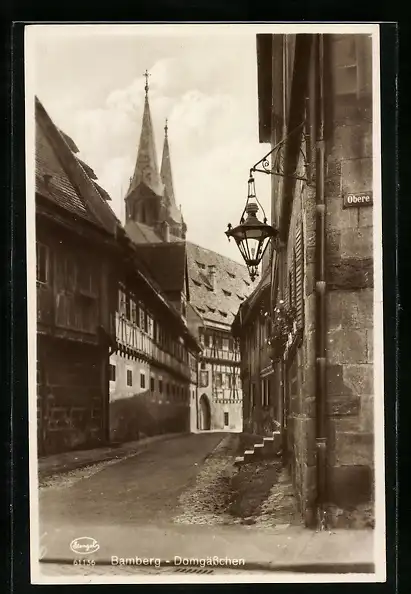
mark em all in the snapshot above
pixel 277 166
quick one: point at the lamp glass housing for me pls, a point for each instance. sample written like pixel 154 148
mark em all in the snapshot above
pixel 252 236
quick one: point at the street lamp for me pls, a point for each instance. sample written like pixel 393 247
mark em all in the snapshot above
pixel 252 236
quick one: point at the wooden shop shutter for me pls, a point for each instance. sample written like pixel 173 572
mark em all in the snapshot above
pixel 299 275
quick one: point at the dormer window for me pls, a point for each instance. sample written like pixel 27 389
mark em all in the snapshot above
pixel 246 282
pixel 240 297
pixel 222 313
pixel 231 274
pixel 200 265
pixel 197 283
pixel 226 293
pixel 212 309
pixel 201 309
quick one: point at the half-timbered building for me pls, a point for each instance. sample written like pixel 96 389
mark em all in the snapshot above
pixel 75 251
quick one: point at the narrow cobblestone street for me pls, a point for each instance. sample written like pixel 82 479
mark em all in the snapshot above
pixel 140 489
pixel 181 497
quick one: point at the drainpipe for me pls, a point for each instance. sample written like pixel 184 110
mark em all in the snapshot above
pixel 320 287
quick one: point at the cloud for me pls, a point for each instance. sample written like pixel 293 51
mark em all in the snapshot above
pixel 210 101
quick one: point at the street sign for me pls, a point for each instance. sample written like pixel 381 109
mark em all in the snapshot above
pixel 357 200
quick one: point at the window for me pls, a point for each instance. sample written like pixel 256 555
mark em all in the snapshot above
pixel 229 380
pixel 203 365
pixel 42 263
pixel 226 419
pixel 204 379
pixel 128 307
pixel 112 372
pixel 142 380
pixel 121 302
pixel 134 312
pixel 218 379
pixel 129 377
pixel 230 344
pixel 142 318
pixel 151 384
pixel 160 386
pixel 150 326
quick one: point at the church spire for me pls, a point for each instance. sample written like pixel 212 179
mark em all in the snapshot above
pixel 146 169
pixel 166 175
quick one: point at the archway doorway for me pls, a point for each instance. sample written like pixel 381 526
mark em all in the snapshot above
pixel 205 414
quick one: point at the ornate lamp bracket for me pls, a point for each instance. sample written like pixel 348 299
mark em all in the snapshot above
pixel 276 165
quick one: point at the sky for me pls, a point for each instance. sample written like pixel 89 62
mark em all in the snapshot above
pixel 90 80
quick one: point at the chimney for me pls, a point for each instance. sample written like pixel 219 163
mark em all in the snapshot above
pixel 211 275
pixel 165 231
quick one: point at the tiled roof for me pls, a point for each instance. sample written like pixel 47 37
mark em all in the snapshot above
pixel 231 285
pixel 254 299
pixel 102 192
pixel 87 169
pixel 140 233
pixel 166 262
pixel 72 145
pixel 60 175
pixel 52 180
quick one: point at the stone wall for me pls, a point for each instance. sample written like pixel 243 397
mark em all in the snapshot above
pixel 72 395
pixel 349 278
pixel 350 301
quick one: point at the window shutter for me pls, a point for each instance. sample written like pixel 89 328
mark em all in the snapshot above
pixel 299 275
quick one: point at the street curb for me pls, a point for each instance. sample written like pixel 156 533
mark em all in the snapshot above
pixel 318 568
pixel 117 453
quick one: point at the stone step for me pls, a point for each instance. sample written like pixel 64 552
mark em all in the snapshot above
pixel 269 448
pixel 259 450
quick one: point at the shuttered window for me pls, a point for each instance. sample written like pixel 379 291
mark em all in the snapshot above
pixel 299 275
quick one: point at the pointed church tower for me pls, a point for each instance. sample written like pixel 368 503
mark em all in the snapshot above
pixel 176 222
pixel 144 196
pixel 166 175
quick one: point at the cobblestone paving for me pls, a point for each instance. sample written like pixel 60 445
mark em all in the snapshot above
pixel 64 480
pixel 222 494
pixel 208 499
pixel 280 508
